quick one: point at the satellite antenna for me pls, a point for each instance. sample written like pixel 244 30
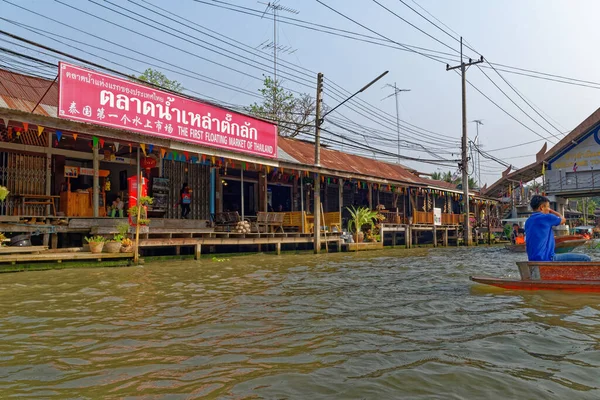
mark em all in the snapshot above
pixel 275 7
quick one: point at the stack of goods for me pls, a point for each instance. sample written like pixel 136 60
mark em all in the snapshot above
pixel 243 227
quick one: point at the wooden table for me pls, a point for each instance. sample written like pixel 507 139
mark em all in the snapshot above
pixel 34 199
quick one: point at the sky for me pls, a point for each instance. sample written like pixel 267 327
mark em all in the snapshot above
pixel 553 37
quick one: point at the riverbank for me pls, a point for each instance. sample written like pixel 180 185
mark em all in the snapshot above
pixel 204 258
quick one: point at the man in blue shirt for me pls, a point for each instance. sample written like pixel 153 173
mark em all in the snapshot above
pixel 540 238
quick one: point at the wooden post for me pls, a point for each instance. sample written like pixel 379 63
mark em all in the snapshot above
pixel 242 188
pixel 341 199
pixel 446 237
pixel 136 256
pixel 370 186
pixel 489 223
pixel 407 237
pixel 394 237
pixel 198 251
pixel 434 236
pixel 324 231
pixel 302 203
pixel 96 180
pixel 49 172
pixel 278 248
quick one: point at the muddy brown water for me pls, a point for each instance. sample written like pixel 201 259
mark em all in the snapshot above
pixel 377 325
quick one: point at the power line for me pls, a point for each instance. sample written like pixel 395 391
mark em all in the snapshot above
pixel 519 107
pixel 443 57
pixel 416 27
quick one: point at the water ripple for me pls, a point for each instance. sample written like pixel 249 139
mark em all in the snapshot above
pixel 387 324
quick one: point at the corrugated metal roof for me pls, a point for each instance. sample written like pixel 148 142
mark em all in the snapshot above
pixel 22 92
pixel 304 153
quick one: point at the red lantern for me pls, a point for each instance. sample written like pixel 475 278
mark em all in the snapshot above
pixel 148 163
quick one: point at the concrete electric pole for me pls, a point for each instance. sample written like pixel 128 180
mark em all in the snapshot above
pixel 465 159
pixel 317 202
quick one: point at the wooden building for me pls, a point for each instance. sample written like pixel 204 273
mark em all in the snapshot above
pixel 60 169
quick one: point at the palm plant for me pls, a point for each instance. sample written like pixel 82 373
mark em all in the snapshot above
pixel 359 217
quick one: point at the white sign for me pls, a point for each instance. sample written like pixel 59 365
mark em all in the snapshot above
pixel 437 216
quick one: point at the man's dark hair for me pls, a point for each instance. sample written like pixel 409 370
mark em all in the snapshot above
pixel 517 225
pixel 537 201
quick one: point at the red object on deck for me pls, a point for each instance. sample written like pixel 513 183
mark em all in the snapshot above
pixel 132 184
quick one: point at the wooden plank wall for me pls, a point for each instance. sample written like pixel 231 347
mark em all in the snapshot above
pixel 197 177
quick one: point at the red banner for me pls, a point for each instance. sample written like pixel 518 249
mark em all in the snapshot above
pixel 89 96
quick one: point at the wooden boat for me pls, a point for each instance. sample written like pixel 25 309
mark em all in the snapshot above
pixel 564 244
pixel 542 275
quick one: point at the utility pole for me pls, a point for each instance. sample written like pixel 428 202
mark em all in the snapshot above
pixel 397 91
pixel 319 119
pixel 317 202
pixel 464 165
pixel 478 122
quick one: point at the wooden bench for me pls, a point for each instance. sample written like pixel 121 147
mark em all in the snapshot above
pixel 271 221
pixel 225 221
pixel 298 220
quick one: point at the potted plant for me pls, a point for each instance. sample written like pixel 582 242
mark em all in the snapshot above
pixel 114 245
pixel 3 192
pixel 96 243
pixel 126 245
pixel 359 218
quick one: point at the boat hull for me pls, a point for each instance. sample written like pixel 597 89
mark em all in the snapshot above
pixel 564 246
pixel 560 270
pixel 517 284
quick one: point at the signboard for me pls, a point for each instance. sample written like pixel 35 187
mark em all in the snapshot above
pixel 437 216
pixel 585 156
pixel 88 96
pixel 86 171
pixel 71 171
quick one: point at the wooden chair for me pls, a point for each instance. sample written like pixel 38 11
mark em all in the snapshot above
pixel 275 221
pixel 262 221
pixel 333 219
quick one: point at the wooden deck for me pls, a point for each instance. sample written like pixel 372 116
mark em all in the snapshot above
pixel 59 257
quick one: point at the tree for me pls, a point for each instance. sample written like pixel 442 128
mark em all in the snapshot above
pixel 293 114
pixel 443 176
pixel 158 78
pixel 449 177
pixel 590 206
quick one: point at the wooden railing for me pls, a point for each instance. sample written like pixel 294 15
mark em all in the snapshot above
pixel 451 219
pixel 392 218
pixel 422 217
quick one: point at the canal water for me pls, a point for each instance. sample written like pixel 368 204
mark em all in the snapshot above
pixel 378 325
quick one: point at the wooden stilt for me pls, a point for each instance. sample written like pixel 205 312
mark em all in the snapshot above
pixel 198 251
pixel 278 248
pixel 446 237
pixel 54 241
pixel 434 236
pixel 177 250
